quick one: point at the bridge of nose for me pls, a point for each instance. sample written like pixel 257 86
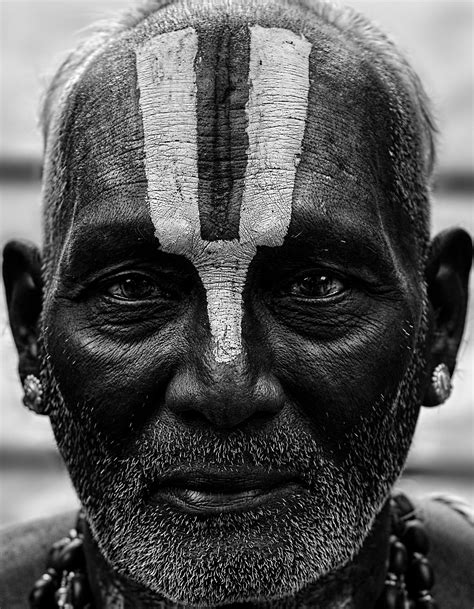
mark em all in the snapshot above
pixel 223 122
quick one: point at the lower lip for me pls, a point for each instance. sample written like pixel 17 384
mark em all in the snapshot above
pixel 207 503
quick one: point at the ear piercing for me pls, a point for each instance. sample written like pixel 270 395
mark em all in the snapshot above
pixel 33 393
pixel 441 383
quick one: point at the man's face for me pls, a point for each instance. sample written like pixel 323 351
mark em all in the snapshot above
pixel 234 326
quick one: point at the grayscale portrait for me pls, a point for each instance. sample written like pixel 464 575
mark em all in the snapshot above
pixel 236 272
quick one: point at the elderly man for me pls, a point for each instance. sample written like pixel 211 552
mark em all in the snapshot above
pixel 238 316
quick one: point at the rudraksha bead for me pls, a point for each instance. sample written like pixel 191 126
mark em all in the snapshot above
pixel 391 598
pixel 419 575
pixel 415 537
pixel 398 558
pixel 43 594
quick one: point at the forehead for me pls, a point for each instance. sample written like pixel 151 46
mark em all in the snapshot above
pixel 322 123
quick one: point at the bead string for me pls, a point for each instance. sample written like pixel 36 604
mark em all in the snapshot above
pixel 65 584
pixel 408 581
pixel 409 576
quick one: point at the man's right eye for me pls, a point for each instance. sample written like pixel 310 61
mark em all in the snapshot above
pixel 133 287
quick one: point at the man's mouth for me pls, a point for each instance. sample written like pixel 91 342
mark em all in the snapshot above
pixel 206 494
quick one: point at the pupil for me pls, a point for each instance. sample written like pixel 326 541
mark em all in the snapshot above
pixel 136 287
pixel 318 284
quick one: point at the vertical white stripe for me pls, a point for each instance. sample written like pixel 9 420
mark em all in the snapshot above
pixel 276 109
pixel 276 112
pixel 167 83
pixel 223 271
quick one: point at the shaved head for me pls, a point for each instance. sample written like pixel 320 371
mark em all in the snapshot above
pixel 363 65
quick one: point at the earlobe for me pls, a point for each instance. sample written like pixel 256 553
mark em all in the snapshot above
pixel 447 276
pixel 23 289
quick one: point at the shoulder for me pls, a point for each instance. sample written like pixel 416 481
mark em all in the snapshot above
pixel 23 553
pixel 450 526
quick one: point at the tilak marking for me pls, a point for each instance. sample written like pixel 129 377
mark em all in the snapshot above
pixel 278 80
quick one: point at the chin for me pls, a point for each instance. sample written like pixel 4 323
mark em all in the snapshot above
pixel 270 552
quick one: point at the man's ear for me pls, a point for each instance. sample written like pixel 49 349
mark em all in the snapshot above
pixel 23 289
pixel 447 275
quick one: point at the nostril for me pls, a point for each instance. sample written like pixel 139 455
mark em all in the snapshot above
pixel 224 399
pixel 193 418
pixel 259 420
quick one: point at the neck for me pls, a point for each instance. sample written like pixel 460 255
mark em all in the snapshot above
pixel 357 585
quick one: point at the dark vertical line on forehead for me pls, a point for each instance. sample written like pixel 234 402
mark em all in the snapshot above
pixel 222 66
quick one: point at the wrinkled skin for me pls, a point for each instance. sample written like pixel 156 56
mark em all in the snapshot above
pixel 341 328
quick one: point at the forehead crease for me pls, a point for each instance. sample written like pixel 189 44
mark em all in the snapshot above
pixel 346 169
pixel 349 117
pixel 104 136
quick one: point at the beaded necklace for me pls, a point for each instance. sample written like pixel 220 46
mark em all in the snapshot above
pixel 408 581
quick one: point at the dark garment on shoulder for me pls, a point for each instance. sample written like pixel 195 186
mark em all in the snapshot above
pixel 450 526
pixel 23 553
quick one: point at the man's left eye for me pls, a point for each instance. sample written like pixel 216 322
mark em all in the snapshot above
pixel 136 286
pixel 316 285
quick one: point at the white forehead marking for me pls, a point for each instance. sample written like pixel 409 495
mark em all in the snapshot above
pixel 167 84
pixel 276 112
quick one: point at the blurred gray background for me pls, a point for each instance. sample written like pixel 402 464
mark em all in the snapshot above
pixel 437 37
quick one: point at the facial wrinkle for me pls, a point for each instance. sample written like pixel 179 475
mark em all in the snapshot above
pixel 54 166
pixel 276 113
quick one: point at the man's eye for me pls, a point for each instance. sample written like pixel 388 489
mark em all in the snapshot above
pixel 136 286
pixel 316 285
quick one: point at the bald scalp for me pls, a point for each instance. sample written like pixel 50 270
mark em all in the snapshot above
pixel 104 67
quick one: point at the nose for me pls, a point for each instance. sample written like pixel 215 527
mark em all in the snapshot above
pixel 227 396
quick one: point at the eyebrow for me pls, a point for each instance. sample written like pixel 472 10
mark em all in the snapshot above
pixel 94 246
pixel 346 243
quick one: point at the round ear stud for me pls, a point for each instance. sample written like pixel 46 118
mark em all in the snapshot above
pixel 33 393
pixel 441 383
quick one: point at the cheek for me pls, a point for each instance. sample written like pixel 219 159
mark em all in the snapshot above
pixel 342 382
pixel 112 381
